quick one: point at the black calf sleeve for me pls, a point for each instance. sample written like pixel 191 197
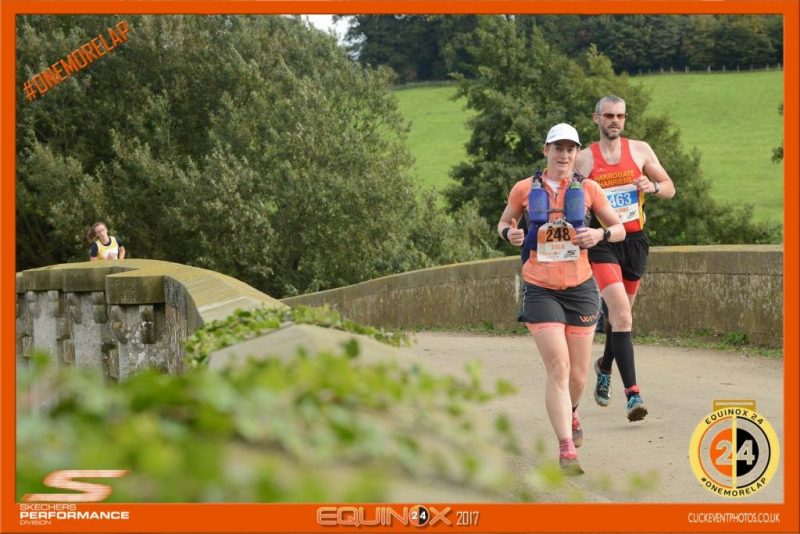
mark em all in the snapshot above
pixel 608 355
pixel 622 347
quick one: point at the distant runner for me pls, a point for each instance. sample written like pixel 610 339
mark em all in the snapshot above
pixel 104 246
pixel 627 170
pixel 560 305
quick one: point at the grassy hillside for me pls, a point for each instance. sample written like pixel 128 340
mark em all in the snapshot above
pixel 438 131
pixel 732 119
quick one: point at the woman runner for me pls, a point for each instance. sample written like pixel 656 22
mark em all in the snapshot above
pixel 560 304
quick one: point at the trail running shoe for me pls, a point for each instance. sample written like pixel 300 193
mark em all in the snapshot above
pixel 570 466
pixel 568 458
pixel 577 430
pixel 602 390
pixel 636 408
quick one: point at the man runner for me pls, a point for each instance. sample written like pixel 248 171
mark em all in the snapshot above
pixel 626 170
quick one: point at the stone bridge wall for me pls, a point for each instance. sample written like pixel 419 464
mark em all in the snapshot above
pixel 123 316
pixel 120 317
pixel 722 289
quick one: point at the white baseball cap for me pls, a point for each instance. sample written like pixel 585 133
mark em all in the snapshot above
pixel 563 131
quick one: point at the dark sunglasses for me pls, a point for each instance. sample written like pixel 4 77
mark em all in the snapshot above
pixel 619 116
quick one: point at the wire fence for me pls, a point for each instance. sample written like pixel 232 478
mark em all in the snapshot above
pixel 710 69
pixel 640 72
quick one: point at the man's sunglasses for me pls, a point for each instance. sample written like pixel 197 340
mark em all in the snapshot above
pixel 619 116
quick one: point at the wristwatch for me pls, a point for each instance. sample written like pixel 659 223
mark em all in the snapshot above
pixel 606 235
pixel 655 188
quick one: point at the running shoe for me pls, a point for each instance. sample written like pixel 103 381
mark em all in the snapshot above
pixel 602 390
pixel 570 466
pixel 568 458
pixel 636 408
pixel 577 430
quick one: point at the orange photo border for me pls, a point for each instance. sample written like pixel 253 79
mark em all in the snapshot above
pixel 579 517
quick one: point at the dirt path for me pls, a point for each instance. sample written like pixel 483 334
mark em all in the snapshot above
pixel 678 386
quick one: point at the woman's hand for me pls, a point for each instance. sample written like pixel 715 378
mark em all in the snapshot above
pixel 587 237
pixel 515 235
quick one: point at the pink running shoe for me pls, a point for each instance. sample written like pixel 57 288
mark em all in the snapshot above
pixel 568 458
pixel 577 430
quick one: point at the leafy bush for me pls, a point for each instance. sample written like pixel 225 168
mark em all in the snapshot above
pixel 246 324
pixel 325 427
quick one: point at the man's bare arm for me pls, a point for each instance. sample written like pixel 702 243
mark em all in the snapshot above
pixel 654 173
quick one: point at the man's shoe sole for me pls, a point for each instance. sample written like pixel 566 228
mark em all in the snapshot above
pixel 637 413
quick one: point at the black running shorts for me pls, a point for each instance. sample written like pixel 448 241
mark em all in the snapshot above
pixel 576 306
pixel 630 253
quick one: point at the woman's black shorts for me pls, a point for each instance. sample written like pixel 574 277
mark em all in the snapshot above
pixel 576 306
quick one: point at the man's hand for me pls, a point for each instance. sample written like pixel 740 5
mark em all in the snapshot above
pixel 515 235
pixel 644 184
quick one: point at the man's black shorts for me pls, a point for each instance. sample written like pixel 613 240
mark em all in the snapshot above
pixel 576 306
pixel 630 253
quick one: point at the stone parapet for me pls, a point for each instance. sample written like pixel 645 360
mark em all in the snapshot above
pixel 123 316
pixel 721 288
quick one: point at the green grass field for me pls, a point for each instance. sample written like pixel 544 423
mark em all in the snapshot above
pixel 732 119
pixel 438 131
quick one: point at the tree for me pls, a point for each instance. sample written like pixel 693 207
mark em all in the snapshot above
pixel 625 40
pixel 777 152
pixel 698 46
pixel 666 35
pixel 567 33
pixel 248 145
pixel 743 41
pixel 420 47
pixel 524 87
pixel 415 47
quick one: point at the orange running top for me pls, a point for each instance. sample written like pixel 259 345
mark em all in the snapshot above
pixel 558 274
pixel 622 173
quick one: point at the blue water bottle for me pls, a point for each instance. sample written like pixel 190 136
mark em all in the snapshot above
pixel 538 212
pixel 574 207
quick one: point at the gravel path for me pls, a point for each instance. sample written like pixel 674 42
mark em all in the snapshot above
pixel 678 387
